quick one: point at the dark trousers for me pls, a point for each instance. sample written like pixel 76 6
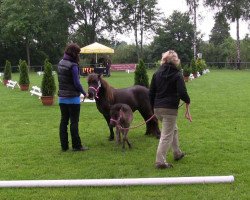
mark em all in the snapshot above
pixel 70 112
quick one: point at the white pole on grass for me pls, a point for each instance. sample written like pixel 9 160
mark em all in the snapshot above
pixel 116 182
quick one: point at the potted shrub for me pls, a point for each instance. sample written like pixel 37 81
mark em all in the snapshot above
pixel 7 72
pixel 186 72
pixel 24 81
pixel 193 68
pixel 201 65
pixel 48 87
pixel 141 76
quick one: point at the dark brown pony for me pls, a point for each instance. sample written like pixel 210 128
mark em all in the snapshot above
pixel 137 97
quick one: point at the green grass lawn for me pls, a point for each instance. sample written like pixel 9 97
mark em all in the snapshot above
pixel 216 143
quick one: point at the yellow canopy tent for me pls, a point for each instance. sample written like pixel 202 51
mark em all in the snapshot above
pixel 96 48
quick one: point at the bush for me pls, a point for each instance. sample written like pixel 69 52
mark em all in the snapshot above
pixel 186 70
pixel 201 65
pixel 48 87
pixel 193 66
pixel 7 71
pixel 24 74
pixel 141 76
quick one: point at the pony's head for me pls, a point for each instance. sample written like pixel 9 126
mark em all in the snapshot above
pixel 97 83
pixel 115 114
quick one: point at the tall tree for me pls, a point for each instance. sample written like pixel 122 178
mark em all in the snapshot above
pixel 220 31
pixel 139 16
pixel 93 18
pixel 234 10
pixel 193 4
pixel 18 22
pixel 177 34
pixel 39 25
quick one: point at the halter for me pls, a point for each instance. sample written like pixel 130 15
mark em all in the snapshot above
pixel 96 89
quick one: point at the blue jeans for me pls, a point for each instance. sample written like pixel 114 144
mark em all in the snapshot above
pixel 70 112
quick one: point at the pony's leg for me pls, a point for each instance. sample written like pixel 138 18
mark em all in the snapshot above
pixel 125 139
pixel 118 136
pixel 111 136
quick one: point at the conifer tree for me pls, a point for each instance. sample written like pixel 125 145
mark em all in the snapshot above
pixel 141 76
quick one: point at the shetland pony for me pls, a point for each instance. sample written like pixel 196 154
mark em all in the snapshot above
pixel 121 118
pixel 137 97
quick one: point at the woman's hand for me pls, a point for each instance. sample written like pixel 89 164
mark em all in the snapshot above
pixel 187 113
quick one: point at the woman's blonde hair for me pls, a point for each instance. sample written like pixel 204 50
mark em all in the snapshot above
pixel 170 57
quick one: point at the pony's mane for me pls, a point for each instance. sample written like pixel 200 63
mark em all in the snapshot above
pixel 108 88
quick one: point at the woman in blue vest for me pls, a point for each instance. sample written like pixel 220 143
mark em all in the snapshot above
pixel 69 92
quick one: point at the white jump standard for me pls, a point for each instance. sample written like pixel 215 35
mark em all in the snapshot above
pixel 36 91
pixel 12 84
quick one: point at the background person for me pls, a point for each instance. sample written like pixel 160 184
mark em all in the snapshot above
pixel 69 92
pixel 108 66
pixel 166 89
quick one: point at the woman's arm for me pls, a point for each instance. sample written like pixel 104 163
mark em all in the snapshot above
pixel 76 80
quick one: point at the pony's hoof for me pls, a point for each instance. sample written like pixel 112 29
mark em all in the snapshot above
pixel 111 138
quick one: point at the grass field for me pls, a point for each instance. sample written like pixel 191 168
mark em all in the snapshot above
pixel 217 143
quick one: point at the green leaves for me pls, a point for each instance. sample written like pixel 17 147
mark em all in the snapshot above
pixel 24 73
pixel 141 76
pixel 48 82
pixel 7 71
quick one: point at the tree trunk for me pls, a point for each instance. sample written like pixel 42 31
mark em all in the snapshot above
pixel 195 31
pixel 141 30
pixel 136 32
pixel 238 44
pixel 28 51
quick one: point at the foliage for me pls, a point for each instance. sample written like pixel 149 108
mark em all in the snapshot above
pixel 233 10
pixel 141 76
pixel 193 66
pixel 200 65
pixel 7 71
pixel 186 70
pixel 48 87
pixel 24 73
pixel 22 24
pixel 177 34
pixel 220 31
pixel 124 53
pixel 245 49
pixel 139 16
pixel 225 52
pixel 92 18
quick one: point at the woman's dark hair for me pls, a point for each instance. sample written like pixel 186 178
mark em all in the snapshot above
pixel 73 51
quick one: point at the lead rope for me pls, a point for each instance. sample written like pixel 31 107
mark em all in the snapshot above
pixel 120 127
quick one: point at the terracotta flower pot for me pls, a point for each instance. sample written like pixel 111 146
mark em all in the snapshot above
pixel 5 81
pixel 24 87
pixel 47 100
pixel 186 78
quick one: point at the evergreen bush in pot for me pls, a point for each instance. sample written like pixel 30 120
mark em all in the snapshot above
pixel 48 87
pixel 186 72
pixel 141 76
pixel 7 72
pixel 24 75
